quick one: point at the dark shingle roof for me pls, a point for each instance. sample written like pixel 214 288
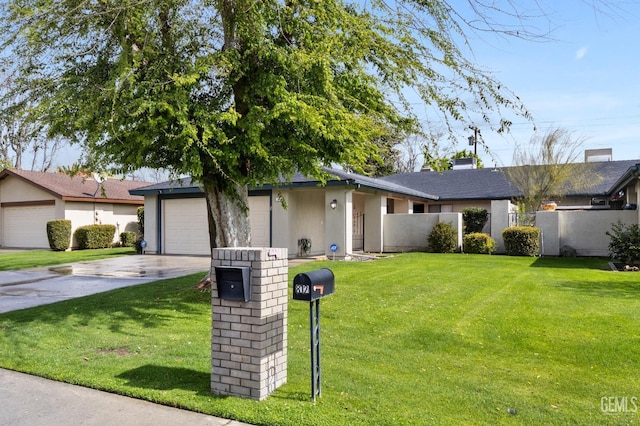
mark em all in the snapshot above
pixel 78 188
pixel 493 184
pixel 340 177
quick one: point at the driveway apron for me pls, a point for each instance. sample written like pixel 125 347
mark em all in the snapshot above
pixel 40 286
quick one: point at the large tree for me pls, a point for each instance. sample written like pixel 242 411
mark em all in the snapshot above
pixel 242 92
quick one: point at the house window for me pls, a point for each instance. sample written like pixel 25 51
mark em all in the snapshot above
pixel 390 205
pixel 418 208
pixel 440 208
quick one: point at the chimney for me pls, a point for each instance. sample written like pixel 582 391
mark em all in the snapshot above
pixel 464 163
pixel 598 155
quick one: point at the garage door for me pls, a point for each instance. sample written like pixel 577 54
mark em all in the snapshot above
pixel 260 217
pixel 186 229
pixel 27 226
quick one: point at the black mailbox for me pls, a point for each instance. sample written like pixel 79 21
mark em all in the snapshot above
pixel 313 285
pixel 234 283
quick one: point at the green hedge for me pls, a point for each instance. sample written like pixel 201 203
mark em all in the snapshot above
pixel 59 234
pixel 127 238
pixel 95 236
pixel 474 219
pixel 478 243
pixel 522 240
pixel 443 238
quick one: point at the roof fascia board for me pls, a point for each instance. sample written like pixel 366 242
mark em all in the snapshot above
pixel 632 173
pixel 103 200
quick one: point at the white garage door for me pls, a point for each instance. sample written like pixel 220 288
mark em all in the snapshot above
pixel 260 217
pixel 27 226
pixel 186 229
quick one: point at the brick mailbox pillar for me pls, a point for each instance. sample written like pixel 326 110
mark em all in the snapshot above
pixel 249 338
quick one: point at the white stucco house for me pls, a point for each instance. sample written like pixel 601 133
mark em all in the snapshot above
pixel 390 214
pixel 346 213
pixel 28 200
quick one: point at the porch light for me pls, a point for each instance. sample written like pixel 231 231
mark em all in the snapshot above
pixel 333 204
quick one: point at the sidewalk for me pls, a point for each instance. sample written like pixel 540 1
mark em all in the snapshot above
pixel 33 401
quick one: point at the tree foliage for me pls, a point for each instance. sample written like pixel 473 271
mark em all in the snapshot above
pixel 241 92
pixel 438 162
pixel 549 169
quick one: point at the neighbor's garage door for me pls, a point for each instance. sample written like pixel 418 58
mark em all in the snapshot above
pixel 27 226
pixel 186 229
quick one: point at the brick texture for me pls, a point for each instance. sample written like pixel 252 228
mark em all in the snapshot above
pixel 249 339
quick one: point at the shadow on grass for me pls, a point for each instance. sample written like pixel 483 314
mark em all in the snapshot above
pixel 627 289
pixel 150 305
pixel 158 377
pixel 571 263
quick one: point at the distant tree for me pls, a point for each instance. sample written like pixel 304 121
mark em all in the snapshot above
pixel 549 169
pixel 24 142
pixel 438 162
pixel 410 151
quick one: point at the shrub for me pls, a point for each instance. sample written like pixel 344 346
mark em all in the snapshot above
pixel 624 244
pixel 478 243
pixel 521 240
pixel 140 214
pixel 59 234
pixel 474 219
pixel 127 238
pixel 443 238
pixel 95 236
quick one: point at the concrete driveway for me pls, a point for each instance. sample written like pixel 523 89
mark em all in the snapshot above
pixel 39 286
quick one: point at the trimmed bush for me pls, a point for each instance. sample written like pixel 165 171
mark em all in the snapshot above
pixel 95 236
pixel 522 240
pixel 624 244
pixel 127 238
pixel 478 243
pixel 59 234
pixel 443 238
pixel 474 219
pixel 140 214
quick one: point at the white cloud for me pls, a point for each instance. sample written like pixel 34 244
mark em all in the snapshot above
pixel 582 52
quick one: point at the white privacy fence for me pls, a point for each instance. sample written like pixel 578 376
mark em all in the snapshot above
pixel 584 230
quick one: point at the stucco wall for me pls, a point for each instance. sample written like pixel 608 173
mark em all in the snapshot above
pixel 151 223
pixel 307 218
pixel 585 231
pixel 123 217
pixel 16 190
pixel 409 232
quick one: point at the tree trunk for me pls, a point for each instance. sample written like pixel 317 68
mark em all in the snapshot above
pixel 228 216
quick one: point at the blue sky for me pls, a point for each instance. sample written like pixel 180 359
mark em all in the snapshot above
pixel 585 80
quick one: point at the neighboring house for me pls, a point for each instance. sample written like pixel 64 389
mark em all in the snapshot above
pixel 28 200
pixel 329 215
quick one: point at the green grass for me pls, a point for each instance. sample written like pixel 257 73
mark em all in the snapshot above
pixel 36 258
pixel 413 339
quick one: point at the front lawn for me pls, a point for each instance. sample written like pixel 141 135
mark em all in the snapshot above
pixel 413 339
pixel 36 258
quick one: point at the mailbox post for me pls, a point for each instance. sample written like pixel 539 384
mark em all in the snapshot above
pixel 313 286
